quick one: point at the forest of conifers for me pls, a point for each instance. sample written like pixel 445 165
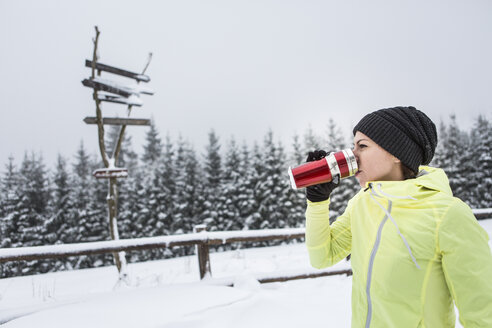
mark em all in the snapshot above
pixel 172 187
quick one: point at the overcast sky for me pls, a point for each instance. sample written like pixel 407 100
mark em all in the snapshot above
pixel 240 67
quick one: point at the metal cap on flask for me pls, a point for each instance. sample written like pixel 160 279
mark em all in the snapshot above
pixel 341 163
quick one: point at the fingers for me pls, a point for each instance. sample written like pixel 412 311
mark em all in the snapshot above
pixel 316 155
pixel 321 154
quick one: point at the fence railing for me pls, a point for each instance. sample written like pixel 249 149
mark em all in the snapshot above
pixel 201 238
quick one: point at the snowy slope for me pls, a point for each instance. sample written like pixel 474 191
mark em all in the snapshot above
pixel 168 294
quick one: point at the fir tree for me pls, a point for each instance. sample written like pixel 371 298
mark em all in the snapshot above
pixel 232 187
pixel 128 189
pixel 9 188
pixel 89 199
pixel 454 146
pixel 153 146
pixel 272 186
pixel 167 172
pixel 30 211
pixel 257 172
pixel 186 200
pixel 60 225
pixel 296 199
pixel 212 171
pixel 246 201
pixel 439 159
pixel 480 181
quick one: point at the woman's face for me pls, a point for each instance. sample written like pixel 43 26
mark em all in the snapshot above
pixel 375 163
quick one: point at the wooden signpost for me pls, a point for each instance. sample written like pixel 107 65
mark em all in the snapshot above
pixel 118 121
pixel 118 71
pixel 109 91
pixel 107 173
pixel 132 100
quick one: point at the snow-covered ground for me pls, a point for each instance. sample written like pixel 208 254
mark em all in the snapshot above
pixel 168 293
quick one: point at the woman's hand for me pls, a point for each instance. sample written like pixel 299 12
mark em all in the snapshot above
pixel 322 191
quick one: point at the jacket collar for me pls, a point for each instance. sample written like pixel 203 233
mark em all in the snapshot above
pixel 429 178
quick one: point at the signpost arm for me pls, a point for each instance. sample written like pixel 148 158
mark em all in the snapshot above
pixel 123 127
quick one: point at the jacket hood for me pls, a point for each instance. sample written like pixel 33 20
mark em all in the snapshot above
pixel 429 178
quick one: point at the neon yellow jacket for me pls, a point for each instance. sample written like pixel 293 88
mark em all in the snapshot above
pixel 414 249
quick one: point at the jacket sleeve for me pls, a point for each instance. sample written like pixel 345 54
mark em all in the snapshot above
pixel 467 265
pixel 327 244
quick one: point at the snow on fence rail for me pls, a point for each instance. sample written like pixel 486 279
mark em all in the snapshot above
pixel 201 238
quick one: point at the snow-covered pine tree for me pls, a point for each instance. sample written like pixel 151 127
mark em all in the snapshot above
pixel 480 185
pixel 247 182
pixel 9 192
pixel 160 198
pixel 30 211
pixel 153 146
pixel 187 180
pixel 439 159
pixel 232 187
pixel 60 225
pixel 193 182
pixel 213 174
pixel 146 219
pixel 81 191
pixel 454 148
pixel 296 199
pixel 178 198
pixel 257 171
pixel 273 185
pixel 89 211
pixel 130 200
pixel 128 187
pixel 167 172
pixel 9 187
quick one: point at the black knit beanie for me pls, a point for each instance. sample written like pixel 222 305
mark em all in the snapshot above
pixel 405 132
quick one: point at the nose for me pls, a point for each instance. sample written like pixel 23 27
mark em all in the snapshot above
pixel 356 154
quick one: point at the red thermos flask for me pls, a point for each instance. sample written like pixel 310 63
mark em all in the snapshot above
pixel 342 162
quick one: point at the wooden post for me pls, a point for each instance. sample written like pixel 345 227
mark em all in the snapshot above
pixel 112 200
pixel 203 254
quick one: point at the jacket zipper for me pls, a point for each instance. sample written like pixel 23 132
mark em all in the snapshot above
pixel 371 264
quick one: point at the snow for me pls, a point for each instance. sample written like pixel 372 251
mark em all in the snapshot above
pixel 133 99
pixel 135 89
pixel 168 293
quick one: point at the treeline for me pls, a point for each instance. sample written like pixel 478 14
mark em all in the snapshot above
pixel 172 187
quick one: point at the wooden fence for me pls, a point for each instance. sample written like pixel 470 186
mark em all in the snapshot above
pixel 201 238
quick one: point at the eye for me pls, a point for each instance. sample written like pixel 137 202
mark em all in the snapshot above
pixel 362 146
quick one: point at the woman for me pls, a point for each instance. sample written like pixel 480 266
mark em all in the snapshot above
pixel 414 247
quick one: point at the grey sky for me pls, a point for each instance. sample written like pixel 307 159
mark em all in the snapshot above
pixel 240 67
